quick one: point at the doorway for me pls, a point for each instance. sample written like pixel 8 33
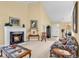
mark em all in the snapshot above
pixel 48 30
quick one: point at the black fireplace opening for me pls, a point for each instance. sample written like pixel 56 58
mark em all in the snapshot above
pixel 16 37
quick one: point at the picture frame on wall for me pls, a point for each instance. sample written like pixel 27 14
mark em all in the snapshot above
pixel 14 21
pixel 75 18
pixel 33 23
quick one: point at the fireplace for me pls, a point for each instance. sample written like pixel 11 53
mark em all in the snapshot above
pixel 16 37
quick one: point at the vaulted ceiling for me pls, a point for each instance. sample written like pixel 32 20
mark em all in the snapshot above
pixel 59 11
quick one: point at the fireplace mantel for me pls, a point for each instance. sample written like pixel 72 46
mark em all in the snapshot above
pixel 8 29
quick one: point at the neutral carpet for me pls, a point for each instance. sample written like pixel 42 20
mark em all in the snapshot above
pixel 40 49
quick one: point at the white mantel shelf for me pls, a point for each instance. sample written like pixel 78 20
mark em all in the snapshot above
pixel 8 29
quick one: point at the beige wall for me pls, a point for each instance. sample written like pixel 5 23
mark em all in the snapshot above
pixel 25 12
pixel 36 12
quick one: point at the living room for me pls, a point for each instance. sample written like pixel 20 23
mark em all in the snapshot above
pixel 36 25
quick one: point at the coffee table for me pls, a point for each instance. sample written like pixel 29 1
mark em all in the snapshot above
pixel 17 52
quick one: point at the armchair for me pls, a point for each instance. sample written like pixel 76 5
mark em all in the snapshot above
pixel 75 43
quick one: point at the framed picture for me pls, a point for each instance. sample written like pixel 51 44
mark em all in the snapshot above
pixel 75 18
pixel 14 21
pixel 33 23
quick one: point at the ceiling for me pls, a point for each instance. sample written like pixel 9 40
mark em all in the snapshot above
pixel 59 11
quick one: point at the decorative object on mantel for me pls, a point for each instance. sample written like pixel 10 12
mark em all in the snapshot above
pixel 23 25
pixel 14 21
pixel 8 24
